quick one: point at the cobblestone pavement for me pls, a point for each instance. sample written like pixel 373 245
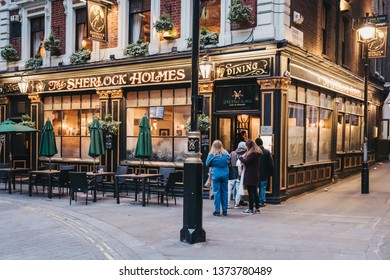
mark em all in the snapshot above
pixel 332 222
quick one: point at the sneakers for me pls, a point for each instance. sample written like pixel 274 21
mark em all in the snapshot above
pixel 224 213
pixel 258 211
pixel 263 204
pixel 216 214
pixel 247 212
pixel 237 206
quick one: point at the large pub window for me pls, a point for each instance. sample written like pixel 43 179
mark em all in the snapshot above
pixel 70 115
pixel 309 126
pixel 349 126
pixel 169 111
pixel 82 40
pixel 139 21
pixel 37 36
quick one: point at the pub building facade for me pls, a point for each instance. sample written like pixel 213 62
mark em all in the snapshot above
pixel 307 109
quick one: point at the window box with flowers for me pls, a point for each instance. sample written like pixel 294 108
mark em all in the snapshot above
pixel 9 53
pixel 34 62
pixel 240 15
pixel 81 56
pixel 206 39
pixel 52 45
pixel 139 48
pixel 164 26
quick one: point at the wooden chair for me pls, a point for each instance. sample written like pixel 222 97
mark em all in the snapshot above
pixel 63 180
pixel 3 175
pixel 78 182
pixel 164 189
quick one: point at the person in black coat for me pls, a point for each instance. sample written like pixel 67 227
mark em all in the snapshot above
pixel 266 166
pixel 251 175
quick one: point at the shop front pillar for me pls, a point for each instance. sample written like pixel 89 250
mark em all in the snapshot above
pixel 278 87
pixel 36 114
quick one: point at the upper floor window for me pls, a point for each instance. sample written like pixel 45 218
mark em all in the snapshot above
pixel 324 25
pixel 37 36
pixel 211 15
pixel 139 21
pixel 81 30
pixel 345 42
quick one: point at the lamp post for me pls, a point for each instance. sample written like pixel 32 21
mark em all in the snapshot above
pixel 366 34
pixel 192 231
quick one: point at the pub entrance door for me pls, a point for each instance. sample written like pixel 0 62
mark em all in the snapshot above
pixel 235 128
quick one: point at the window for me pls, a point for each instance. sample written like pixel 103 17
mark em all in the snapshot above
pixel 70 116
pixel 349 126
pixel 345 42
pixel 168 111
pixel 211 16
pixel 324 24
pixel 37 36
pixel 16 29
pixel 139 21
pixel 309 126
pixel 81 30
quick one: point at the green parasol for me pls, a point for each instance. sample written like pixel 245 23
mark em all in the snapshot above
pixel 96 146
pixel 144 143
pixel 47 145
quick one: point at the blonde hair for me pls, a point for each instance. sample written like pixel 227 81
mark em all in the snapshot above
pixel 217 148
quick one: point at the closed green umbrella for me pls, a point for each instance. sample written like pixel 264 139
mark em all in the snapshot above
pixel 144 143
pixel 47 145
pixel 96 146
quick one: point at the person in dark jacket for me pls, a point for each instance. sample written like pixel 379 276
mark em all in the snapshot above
pixel 266 168
pixel 251 175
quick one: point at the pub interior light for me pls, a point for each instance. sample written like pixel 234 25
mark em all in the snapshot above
pixel 367 30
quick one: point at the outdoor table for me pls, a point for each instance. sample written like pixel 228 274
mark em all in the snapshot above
pixel 137 178
pixel 11 172
pixel 48 173
pixel 97 174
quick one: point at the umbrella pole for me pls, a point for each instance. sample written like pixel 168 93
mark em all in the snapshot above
pixel 49 163
pixel 94 165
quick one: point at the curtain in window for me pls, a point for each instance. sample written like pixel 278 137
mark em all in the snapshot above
pixel 137 20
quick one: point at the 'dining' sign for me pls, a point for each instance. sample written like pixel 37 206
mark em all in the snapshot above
pixel 260 67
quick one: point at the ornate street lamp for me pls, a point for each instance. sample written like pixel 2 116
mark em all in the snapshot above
pixel 366 33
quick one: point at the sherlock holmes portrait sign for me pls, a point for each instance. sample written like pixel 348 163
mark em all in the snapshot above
pixel 97 21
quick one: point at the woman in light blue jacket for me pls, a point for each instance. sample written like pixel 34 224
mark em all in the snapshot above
pixel 218 159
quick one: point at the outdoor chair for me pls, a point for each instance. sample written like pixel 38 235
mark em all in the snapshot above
pixel 62 181
pixel 109 186
pixel 78 182
pixel 3 175
pixel 164 189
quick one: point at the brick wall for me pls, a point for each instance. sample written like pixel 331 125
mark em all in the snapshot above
pixel 172 7
pixel 112 29
pixel 312 29
pixel 58 19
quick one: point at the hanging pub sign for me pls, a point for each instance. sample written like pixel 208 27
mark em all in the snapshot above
pixel 97 21
pixel 378 48
pixel 237 97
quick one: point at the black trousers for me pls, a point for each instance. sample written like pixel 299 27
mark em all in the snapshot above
pixel 253 197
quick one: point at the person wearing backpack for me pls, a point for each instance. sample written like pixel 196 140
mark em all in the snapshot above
pixel 266 168
pixel 234 177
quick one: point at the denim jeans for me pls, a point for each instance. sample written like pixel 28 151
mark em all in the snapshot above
pixel 220 191
pixel 232 186
pixel 262 189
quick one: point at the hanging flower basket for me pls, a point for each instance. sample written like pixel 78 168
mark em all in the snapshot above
pixel 164 24
pixel 34 62
pixel 52 45
pixel 203 123
pixel 9 53
pixel 81 56
pixel 240 15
